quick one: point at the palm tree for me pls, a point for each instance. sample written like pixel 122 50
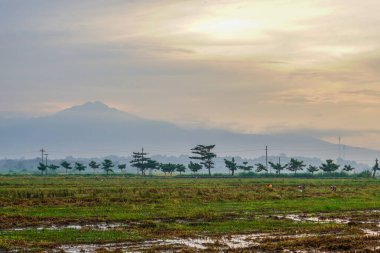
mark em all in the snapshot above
pixel 261 167
pixel 42 167
pixel 329 166
pixel 245 166
pixel 312 169
pixel 295 165
pixel 348 168
pixel 66 165
pixel 107 166
pixel 79 167
pixel 278 167
pixel 93 165
pixel 53 167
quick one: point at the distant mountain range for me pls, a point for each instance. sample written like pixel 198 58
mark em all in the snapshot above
pixel 94 129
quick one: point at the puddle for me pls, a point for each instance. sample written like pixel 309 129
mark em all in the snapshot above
pixel 205 243
pixel 300 218
pixel 97 226
pixel 370 232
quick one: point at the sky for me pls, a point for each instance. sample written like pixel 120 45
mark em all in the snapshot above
pixel 264 66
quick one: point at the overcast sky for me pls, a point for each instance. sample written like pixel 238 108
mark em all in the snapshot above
pixel 263 66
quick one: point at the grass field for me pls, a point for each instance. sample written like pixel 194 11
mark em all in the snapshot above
pixel 103 214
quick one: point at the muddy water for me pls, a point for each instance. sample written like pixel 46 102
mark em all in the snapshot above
pixel 98 226
pixel 326 219
pixel 220 244
pixel 299 218
pixel 198 244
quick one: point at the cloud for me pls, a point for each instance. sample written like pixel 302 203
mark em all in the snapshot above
pixel 278 62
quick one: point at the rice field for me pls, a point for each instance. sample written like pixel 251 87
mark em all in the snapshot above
pixel 160 214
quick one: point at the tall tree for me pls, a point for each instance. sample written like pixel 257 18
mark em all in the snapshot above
pixel 278 167
pixel 347 168
pixel 180 168
pixel 121 167
pixel 231 165
pixel 79 167
pixel 375 168
pixel 295 165
pixel 205 155
pixel 93 165
pixel 66 165
pixel 42 167
pixel 138 161
pixel 261 167
pixel 194 167
pixel 107 166
pixel 312 169
pixel 245 166
pixel 53 167
pixel 329 166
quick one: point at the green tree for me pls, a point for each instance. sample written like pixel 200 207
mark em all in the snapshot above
pixel 329 166
pixel 121 167
pixel 107 166
pixel 168 168
pixel 312 169
pixel 375 168
pixel 295 165
pixel 138 161
pixel 205 155
pixel 42 167
pixel 53 167
pixel 151 165
pixel 180 168
pixel 66 165
pixel 261 167
pixel 194 167
pixel 347 168
pixel 93 165
pixel 79 167
pixel 231 165
pixel 278 167
pixel 245 166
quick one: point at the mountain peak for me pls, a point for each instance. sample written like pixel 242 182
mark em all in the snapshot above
pixel 95 106
pixel 95 110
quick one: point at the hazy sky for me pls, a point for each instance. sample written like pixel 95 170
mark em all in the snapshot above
pixel 252 66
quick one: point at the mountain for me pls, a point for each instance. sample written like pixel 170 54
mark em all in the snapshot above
pixel 94 129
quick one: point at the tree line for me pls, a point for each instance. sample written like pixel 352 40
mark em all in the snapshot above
pixel 202 158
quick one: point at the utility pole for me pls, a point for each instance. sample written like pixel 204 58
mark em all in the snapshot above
pixel 266 158
pixel 42 155
pixel 375 168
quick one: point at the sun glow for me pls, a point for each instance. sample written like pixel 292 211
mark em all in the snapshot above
pixel 225 28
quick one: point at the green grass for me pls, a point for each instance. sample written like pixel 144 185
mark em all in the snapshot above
pixel 206 206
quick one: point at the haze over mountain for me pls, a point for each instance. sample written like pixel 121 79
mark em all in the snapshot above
pixel 94 129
